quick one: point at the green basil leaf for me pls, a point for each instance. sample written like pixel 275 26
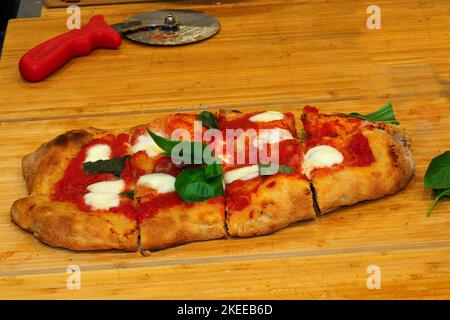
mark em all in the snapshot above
pixel 129 194
pixel 114 166
pixel 192 151
pixel 208 119
pixel 266 169
pixel 439 194
pixel 213 170
pixel 192 185
pixel 437 175
pixel 164 143
pixel 385 114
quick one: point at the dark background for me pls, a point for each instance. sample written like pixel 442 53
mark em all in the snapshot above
pixel 10 9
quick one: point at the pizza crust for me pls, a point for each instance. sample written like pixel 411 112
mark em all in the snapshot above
pixel 61 224
pixel 181 224
pixel 45 166
pixel 289 200
pixel 390 173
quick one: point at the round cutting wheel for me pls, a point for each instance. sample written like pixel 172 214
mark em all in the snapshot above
pixel 190 26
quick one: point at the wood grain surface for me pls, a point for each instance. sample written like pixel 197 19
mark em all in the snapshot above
pixel 270 54
pixel 65 3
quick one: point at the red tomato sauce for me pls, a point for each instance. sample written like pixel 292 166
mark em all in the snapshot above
pixel 73 185
pixel 318 126
pixel 238 193
pixel 153 203
pixel 243 122
pixel 358 152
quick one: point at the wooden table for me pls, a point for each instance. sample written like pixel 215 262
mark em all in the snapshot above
pixel 269 54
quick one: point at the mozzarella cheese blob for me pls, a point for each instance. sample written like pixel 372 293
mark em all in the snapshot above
pixel 102 201
pixel 98 152
pixel 115 186
pixel 104 195
pixel 146 143
pixel 161 182
pixel 267 116
pixel 321 157
pixel 244 173
pixel 271 136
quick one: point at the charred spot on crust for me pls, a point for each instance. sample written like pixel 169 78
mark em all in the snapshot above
pixel 75 136
pixel 394 155
pixel 62 140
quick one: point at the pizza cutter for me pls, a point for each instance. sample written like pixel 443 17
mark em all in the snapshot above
pixel 160 28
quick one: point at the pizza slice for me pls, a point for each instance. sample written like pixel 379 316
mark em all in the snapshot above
pixel 80 185
pixel 265 188
pixel 349 160
pixel 165 219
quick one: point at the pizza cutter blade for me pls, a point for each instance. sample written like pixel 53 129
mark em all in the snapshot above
pixel 161 28
pixel 168 27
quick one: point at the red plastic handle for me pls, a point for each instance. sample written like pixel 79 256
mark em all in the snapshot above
pixel 49 56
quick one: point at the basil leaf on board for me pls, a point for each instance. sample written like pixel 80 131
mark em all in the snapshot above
pixel 191 152
pixel 437 177
pixel 129 194
pixel 213 170
pixel 385 114
pixel 114 166
pixel 208 119
pixel 266 169
pixel 438 196
pixel 192 185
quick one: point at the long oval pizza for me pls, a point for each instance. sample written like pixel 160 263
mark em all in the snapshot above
pixel 192 177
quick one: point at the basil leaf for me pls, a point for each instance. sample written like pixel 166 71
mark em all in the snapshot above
pixel 164 143
pixel 267 169
pixel 192 185
pixel 114 166
pixel 439 195
pixel 194 152
pixel 129 194
pixel 208 119
pixel 213 170
pixel 437 175
pixel 385 114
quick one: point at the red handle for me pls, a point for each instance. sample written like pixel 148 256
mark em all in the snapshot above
pixel 50 55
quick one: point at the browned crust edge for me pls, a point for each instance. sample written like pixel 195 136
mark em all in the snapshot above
pixel 62 225
pixel 272 209
pixel 43 167
pixel 393 172
pixel 174 226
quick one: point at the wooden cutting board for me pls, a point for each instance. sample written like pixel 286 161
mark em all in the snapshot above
pixel 268 55
pixel 65 3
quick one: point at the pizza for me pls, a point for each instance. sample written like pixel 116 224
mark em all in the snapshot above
pixel 164 218
pixel 70 208
pixel 201 176
pixel 349 160
pixel 259 204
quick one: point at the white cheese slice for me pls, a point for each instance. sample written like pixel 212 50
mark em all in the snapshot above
pixel 267 116
pixel 321 157
pixel 115 186
pixel 271 136
pixel 161 182
pixel 102 201
pixel 146 143
pixel 244 173
pixel 98 152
